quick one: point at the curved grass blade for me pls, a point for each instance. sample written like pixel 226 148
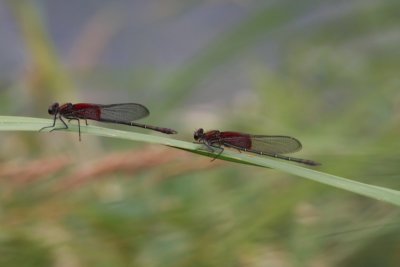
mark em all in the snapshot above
pixel 10 123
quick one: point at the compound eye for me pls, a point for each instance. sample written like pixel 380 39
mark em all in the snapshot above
pixel 198 134
pixel 53 108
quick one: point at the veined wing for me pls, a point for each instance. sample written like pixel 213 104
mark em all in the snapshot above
pixel 276 144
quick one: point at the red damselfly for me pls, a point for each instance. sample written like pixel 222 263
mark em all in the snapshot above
pixel 124 113
pixel 268 145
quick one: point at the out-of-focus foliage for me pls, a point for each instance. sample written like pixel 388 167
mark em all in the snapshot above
pixel 325 72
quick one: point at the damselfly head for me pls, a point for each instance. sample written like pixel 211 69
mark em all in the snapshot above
pixel 53 109
pixel 199 134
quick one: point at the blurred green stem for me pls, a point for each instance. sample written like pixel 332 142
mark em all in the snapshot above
pixel 46 78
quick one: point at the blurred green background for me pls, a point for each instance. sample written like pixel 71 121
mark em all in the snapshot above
pixel 325 72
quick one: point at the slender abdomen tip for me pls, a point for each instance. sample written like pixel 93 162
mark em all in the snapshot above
pixel 170 131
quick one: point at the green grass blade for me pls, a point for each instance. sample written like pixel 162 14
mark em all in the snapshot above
pixel 9 123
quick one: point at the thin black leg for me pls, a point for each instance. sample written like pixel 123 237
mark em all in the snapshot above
pixel 54 123
pixel 79 126
pixel 219 154
pixel 212 149
pixel 209 147
pixel 60 128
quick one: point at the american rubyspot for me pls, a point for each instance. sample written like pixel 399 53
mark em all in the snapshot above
pixel 268 145
pixel 124 113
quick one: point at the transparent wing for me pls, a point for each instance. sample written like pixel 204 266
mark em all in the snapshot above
pixel 123 112
pixel 276 144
